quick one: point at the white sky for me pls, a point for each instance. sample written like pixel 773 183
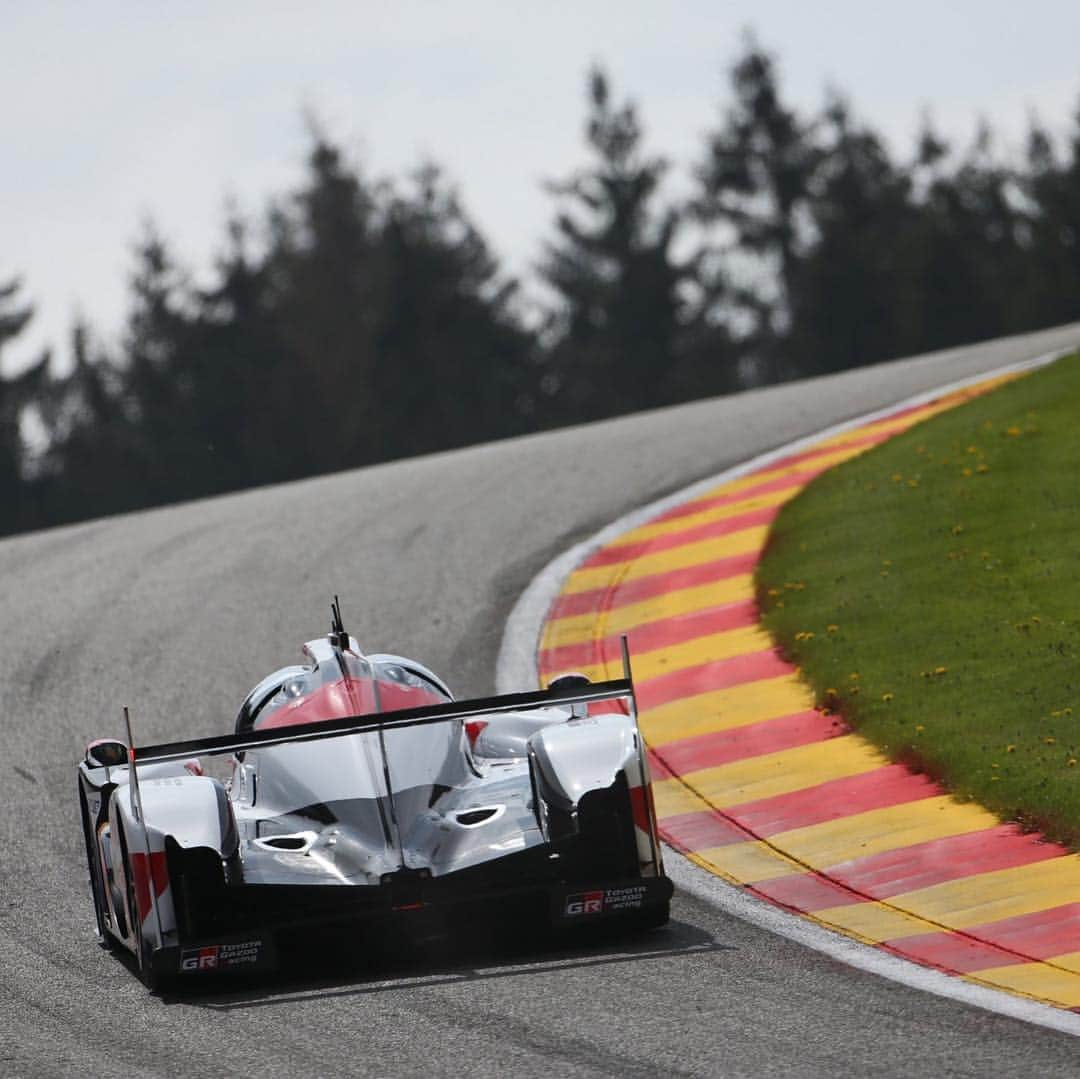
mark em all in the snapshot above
pixel 114 111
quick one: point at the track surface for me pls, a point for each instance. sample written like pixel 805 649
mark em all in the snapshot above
pixel 178 612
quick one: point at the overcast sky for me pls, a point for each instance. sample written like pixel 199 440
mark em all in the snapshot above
pixel 117 111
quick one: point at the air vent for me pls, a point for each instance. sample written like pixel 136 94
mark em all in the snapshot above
pixel 296 841
pixel 287 842
pixel 470 818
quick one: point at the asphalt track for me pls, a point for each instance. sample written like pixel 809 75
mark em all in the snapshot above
pixel 178 612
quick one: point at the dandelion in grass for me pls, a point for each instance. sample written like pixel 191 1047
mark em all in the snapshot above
pixel 886 697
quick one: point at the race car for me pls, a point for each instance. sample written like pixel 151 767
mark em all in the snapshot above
pixel 359 796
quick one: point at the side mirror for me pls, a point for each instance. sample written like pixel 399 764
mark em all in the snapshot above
pixel 572 680
pixel 106 753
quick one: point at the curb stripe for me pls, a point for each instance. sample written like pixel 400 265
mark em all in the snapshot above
pixel 746 541
pixel 687 655
pixel 751 740
pixel 1042 935
pixel 722 526
pixel 891 784
pixel 755 486
pixel 668 591
pixel 716 513
pixel 717 675
pixel 723 709
pixel 650 636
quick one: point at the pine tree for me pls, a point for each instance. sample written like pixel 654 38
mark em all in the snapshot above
pixel 624 329
pixel 162 378
pixel 754 185
pixel 94 462
pixel 454 361
pixel 323 288
pixel 252 388
pixel 1052 188
pixel 853 296
pixel 16 392
pixel 972 261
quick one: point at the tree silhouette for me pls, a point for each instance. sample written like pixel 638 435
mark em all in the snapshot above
pixel 16 392
pixel 624 332
pixel 453 357
pixel 853 296
pixel 754 183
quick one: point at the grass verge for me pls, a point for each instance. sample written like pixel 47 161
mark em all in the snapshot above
pixel 930 592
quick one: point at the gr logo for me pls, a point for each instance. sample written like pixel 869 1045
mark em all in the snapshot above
pixel 585 903
pixel 200 959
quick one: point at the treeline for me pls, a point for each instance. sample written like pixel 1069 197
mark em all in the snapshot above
pixel 361 321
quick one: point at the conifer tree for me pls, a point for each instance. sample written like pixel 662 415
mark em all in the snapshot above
pixel 1052 188
pixel 15 393
pixel 453 358
pixel 323 287
pixel 623 324
pixel 853 299
pixel 754 185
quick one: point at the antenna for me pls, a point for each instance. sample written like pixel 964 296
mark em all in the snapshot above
pixel 338 636
pixel 133 774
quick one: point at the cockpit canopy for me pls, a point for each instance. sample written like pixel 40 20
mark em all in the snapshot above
pixel 340 682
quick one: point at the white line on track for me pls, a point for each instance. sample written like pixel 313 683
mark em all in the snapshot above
pixel 516 670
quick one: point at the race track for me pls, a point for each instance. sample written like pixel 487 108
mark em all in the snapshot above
pixel 177 612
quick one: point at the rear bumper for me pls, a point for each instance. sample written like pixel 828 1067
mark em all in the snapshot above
pixel 254 928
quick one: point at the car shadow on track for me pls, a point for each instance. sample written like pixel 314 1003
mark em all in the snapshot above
pixel 440 963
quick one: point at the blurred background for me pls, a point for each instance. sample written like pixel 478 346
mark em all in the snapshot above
pixel 252 244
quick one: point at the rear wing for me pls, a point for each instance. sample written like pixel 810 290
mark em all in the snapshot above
pixel 615 689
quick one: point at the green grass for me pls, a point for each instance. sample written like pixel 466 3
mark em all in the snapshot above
pixel 930 592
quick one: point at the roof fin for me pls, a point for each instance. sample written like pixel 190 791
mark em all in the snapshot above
pixel 338 636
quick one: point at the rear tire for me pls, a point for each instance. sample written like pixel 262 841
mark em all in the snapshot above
pixel 96 878
pixel 143 959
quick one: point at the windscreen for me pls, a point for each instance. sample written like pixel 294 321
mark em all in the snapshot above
pixel 369 789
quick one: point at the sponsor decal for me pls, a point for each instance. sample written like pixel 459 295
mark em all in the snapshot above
pixel 221 956
pixel 584 903
pixel 604 901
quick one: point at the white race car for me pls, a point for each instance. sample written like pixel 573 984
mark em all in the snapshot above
pixel 362 795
